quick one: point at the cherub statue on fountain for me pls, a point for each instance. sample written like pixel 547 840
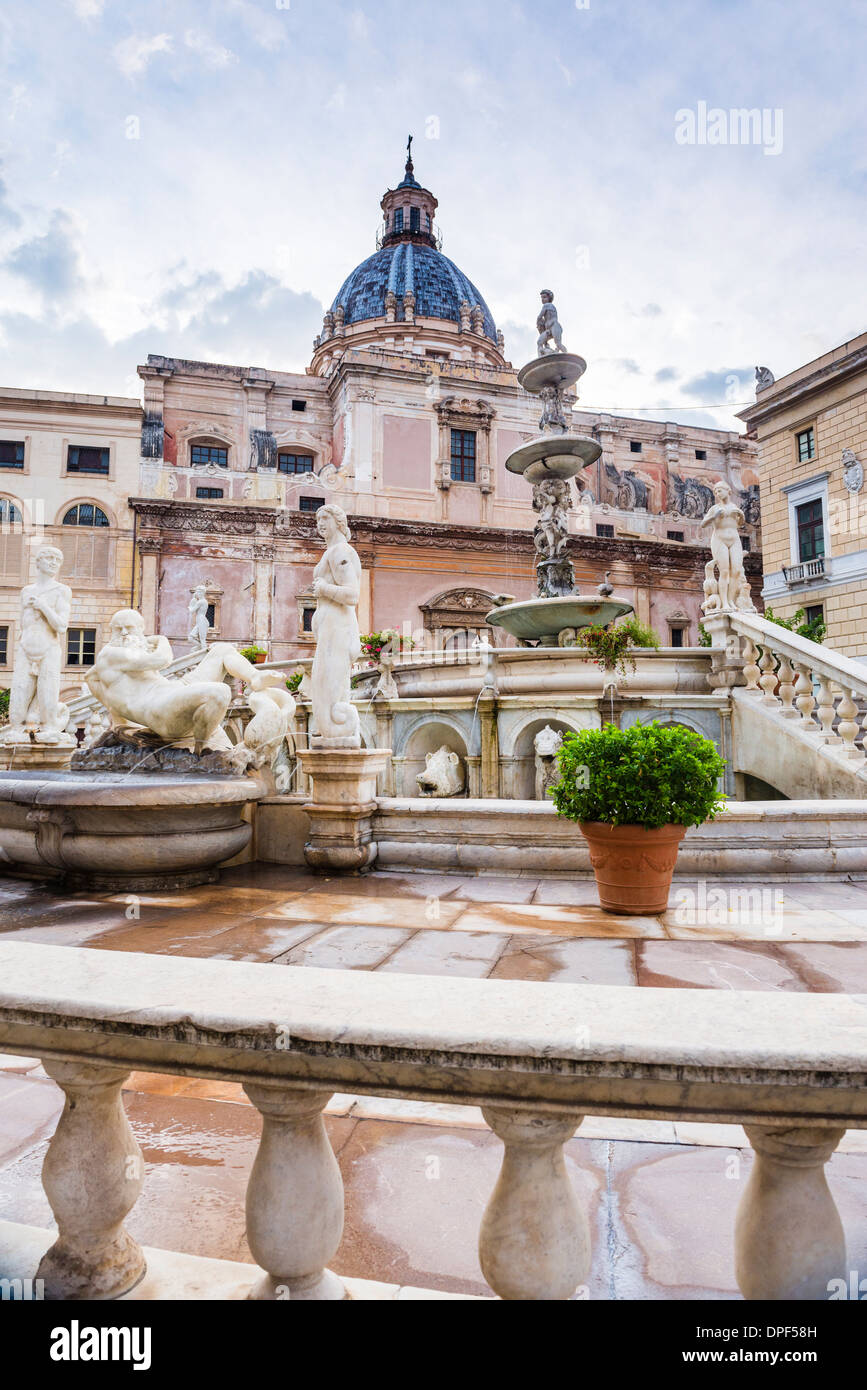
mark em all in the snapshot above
pixel 550 329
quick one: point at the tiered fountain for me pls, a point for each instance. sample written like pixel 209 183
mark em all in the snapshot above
pixel 549 463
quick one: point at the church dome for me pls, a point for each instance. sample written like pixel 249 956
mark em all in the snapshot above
pixel 408 296
pixel 409 266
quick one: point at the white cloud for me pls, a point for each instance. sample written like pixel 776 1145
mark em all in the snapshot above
pixel 132 55
pixel 88 9
pixel 359 25
pixel 213 54
pixel 266 30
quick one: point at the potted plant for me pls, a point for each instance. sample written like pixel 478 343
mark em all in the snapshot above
pixel 293 684
pixel 373 644
pixel 611 647
pixel 257 656
pixel 634 792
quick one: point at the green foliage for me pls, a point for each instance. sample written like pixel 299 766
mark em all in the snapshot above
pixel 816 630
pixel 375 643
pixel 252 652
pixel 4 704
pixel 704 637
pixel 649 774
pixel 293 685
pixel 610 647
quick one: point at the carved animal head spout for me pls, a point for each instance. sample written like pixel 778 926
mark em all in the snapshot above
pixel 444 774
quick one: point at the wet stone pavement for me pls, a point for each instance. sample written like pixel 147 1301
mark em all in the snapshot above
pixel 663 1196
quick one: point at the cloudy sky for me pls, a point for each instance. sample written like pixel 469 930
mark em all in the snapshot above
pixel 197 177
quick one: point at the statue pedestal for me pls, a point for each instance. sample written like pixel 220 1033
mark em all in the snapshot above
pixel 342 807
pixel 36 757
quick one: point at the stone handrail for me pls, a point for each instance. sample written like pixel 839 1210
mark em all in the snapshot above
pixel 784 671
pixel 792 1068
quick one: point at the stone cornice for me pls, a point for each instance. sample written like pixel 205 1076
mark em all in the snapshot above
pixel 271 522
pixel 781 397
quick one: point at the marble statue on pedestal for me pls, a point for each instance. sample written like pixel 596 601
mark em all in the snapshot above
pixel 728 590
pixel 548 324
pixel 34 700
pixel 200 626
pixel 337 590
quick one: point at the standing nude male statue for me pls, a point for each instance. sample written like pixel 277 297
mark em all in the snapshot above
pixel 34 700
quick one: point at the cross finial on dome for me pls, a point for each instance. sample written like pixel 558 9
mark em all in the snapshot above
pixel 409 163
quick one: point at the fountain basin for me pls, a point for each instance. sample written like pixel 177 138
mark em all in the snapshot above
pixel 553 456
pixel 124 833
pixel 557 369
pixel 543 619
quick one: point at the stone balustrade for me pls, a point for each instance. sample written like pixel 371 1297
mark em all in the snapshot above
pixel 537 1058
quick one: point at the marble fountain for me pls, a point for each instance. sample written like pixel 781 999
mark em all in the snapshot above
pixel 548 464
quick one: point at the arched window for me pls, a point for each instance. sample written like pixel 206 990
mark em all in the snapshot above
pixel 11 541
pixel 87 546
pixel 85 514
pixel 209 453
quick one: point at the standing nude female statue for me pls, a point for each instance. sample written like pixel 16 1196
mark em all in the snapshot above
pixel 337 590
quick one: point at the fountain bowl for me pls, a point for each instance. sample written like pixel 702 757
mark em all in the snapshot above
pixel 553 456
pixel 557 369
pixel 543 619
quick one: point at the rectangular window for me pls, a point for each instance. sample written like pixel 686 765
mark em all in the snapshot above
pixel 307 619
pixel 88 554
pixel 311 504
pixel 298 406
pixel 398 220
pixel 295 463
pixel 209 494
pixel 203 454
pixel 701 455
pixel 463 456
pixel 676 535
pixel 87 460
pixel 677 636
pixel 4 646
pixel 605 532
pixel 747 544
pixel 815 613
pixel 811 530
pixel 81 646
pixel 415 219
pixel 11 453
pixel 635 447
pixel 212 615
pixel 806 445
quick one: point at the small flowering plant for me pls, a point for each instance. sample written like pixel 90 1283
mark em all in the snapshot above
pixel 293 685
pixel 389 641
pixel 610 647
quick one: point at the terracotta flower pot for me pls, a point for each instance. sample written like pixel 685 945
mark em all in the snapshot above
pixel 260 659
pixel 633 866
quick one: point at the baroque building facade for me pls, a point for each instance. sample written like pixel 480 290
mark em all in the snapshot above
pixel 404 417
pixel 810 428
pixel 69 464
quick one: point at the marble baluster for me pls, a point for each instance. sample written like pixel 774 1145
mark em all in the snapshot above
pixel 827 709
pixel 806 700
pixel 768 681
pixel 787 689
pixel 789 1241
pixel 535 1238
pixel 752 670
pixel 92 1175
pixel 849 726
pixel 294 1196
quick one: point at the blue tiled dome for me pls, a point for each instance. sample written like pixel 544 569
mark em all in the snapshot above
pixel 439 287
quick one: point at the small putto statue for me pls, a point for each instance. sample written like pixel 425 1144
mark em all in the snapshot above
pixel 765 379
pixel 548 324
pixel 200 627
pixel 729 591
